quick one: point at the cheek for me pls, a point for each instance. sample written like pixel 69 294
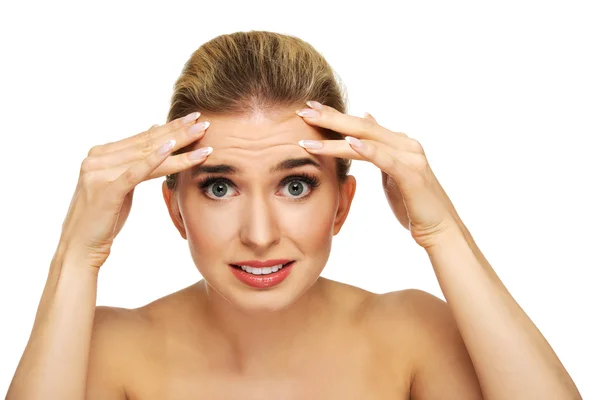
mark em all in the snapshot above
pixel 308 221
pixel 209 227
pixel 214 228
pixel 310 225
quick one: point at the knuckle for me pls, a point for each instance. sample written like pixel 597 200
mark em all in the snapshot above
pixel 129 177
pixel 145 136
pixel 421 163
pixel 146 147
pixel 90 163
pixel 95 150
pixel 178 124
pixel 366 125
pixel 415 145
pixel 175 125
pixel 151 163
pixel 85 165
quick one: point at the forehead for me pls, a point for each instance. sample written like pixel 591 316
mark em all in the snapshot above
pixel 258 139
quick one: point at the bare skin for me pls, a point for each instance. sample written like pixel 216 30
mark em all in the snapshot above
pixel 306 337
pixel 358 345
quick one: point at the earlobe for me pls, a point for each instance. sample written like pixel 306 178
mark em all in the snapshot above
pixel 347 190
pixel 173 208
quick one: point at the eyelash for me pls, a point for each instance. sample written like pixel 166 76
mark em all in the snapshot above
pixel 311 180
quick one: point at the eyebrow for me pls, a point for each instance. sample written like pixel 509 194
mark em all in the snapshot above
pixel 285 165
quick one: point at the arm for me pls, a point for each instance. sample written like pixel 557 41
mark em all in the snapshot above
pixel 69 338
pixel 511 358
pixel 54 364
pixel 62 331
pixel 441 367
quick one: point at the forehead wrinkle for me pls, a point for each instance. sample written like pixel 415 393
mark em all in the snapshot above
pixel 267 147
pixel 234 136
pixel 289 161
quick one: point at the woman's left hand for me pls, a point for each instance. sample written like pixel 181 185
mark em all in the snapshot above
pixel 412 190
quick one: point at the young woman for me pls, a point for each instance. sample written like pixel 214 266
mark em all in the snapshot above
pixel 259 196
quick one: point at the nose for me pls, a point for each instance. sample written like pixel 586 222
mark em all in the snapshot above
pixel 259 228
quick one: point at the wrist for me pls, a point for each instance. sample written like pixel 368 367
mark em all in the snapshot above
pixel 72 261
pixel 451 235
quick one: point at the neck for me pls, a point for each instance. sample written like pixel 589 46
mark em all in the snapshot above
pixel 267 338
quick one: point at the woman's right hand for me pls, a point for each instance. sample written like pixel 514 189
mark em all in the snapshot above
pixel 107 179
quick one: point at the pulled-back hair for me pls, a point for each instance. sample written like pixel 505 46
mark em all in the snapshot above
pixel 247 72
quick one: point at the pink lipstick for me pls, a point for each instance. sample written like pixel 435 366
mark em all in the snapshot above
pixel 261 274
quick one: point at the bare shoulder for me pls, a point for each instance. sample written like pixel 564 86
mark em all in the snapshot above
pixel 114 334
pixel 119 344
pixel 413 306
pixel 423 332
pixel 421 309
pixel 421 322
pixel 407 321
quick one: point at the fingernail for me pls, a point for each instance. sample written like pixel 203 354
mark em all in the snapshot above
pixel 308 112
pixel 311 144
pixel 191 117
pixel 165 148
pixel 200 153
pixel 354 142
pixel 199 127
pixel 314 104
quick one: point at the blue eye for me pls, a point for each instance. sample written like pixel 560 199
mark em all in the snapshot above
pixel 300 186
pixel 297 186
pixel 215 188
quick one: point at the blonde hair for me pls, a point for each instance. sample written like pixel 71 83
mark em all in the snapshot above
pixel 246 72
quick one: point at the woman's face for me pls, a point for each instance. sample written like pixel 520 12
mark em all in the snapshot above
pixel 248 201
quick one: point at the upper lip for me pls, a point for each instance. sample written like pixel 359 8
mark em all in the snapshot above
pixel 262 264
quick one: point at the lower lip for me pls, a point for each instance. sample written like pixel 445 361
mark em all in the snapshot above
pixel 262 281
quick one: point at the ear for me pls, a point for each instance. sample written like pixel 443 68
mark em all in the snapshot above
pixel 173 207
pixel 347 190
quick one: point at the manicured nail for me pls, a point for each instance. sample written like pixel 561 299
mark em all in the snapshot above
pixel 191 117
pixel 314 104
pixel 199 127
pixel 308 112
pixel 354 142
pixel 200 153
pixel 165 148
pixel 311 144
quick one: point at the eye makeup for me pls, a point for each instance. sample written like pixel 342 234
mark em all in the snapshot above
pixel 311 180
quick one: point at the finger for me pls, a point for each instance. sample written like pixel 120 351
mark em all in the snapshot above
pixel 333 148
pixel 409 144
pixel 181 162
pixel 171 165
pixel 134 153
pixel 404 167
pixel 155 132
pixel 392 161
pixel 363 128
pixel 141 170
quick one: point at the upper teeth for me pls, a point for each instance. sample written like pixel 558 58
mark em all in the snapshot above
pixel 261 271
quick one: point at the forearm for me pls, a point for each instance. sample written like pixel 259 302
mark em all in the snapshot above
pixel 54 363
pixel 511 357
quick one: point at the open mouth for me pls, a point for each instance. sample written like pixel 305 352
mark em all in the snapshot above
pixel 262 271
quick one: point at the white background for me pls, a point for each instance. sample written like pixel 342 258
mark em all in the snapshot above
pixel 504 97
